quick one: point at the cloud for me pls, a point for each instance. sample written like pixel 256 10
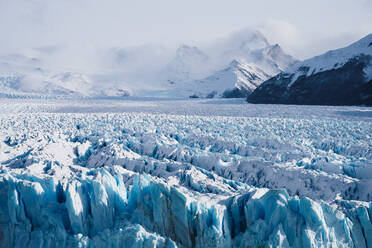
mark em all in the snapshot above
pixel 283 33
pixel 134 61
pixel 82 23
pixel 320 45
pixel 368 6
pixel 238 44
pixel 79 33
pixel 30 23
pixel 17 21
pixel 303 43
pixel 280 31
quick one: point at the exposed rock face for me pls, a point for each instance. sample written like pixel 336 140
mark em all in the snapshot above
pixel 343 86
pixel 339 77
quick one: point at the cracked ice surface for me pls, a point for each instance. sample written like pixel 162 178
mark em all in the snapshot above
pixel 196 174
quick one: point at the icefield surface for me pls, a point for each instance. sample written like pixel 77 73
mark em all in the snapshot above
pixel 176 173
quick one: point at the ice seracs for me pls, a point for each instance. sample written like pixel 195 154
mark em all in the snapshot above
pixel 138 179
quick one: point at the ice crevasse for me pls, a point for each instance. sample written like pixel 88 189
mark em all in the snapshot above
pixel 100 210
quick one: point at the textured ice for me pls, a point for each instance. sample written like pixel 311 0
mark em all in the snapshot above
pixel 136 179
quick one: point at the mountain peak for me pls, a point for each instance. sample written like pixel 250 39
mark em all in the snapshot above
pixel 273 51
pixel 188 64
pixel 185 51
pixel 366 39
pixel 235 63
pixel 336 58
pixel 248 39
pixel 337 77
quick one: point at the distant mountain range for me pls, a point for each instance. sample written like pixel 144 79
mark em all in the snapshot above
pixel 233 72
pixel 244 65
pixel 238 79
pixel 23 76
pixel 338 77
pixel 231 69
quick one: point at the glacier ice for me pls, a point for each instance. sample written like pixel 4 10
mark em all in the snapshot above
pixel 145 180
pixel 97 211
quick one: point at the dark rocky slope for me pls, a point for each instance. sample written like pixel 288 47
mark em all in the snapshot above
pixel 314 83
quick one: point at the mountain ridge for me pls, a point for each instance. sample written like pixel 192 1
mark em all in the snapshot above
pixel 337 77
pixel 246 57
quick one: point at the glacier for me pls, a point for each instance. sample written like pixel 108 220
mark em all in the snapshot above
pixel 97 212
pixel 110 173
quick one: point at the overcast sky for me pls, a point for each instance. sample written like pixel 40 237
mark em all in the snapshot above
pixel 302 28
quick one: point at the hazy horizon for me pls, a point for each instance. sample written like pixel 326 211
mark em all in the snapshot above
pixel 303 30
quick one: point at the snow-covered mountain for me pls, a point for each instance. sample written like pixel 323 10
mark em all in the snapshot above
pixel 253 47
pixel 237 80
pixel 75 82
pixel 273 59
pixel 233 69
pixel 338 77
pixel 22 76
pixel 61 84
pixel 189 63
pixel 235 66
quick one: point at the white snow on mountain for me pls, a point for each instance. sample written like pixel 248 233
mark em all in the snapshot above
pixel 238 75
pixel 252 47
pixel 334 59
pixel 22 76
pixel 75 82
pixel 242 62
pixel 188 64
pixel 145 70
pixel 240 44
pixel 273 59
